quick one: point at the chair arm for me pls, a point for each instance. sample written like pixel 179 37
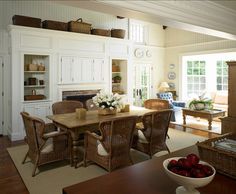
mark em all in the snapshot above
pixel 93 135
pixel 50 127
pixel 54 134
pixel 179 104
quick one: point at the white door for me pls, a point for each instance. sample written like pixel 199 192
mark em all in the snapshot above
pixel 1 95
pixel 142 85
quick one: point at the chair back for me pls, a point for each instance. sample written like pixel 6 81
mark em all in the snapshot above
pixel 156 125
pixel 157 104
pixel 34 129
pixel 117 135
pixel 65 106
pixel 165 96
pixel 90 105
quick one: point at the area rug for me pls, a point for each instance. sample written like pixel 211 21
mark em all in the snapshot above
pixel 52 178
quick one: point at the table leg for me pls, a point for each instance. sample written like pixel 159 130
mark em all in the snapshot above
pixel 75 148
pixel 184 121
pixel 210 124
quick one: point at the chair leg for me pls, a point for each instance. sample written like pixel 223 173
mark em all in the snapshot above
pixel 167 136
pixel 35 166
pixel 26 155
pixel 85 150
pixel 168 149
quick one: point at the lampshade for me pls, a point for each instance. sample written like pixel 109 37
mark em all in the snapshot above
pixel 163 86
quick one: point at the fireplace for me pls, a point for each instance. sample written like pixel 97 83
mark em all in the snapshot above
pixel 80 95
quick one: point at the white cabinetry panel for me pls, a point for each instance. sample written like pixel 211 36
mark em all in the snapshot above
pixel 82 45
pixel 98 70
pixel 87 67
pixel 35 41
pixel 40 110
pixel 67 63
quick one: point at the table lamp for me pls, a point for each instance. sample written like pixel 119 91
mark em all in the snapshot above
pixel 163 87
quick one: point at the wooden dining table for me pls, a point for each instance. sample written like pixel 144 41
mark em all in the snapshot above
pixel 148 177
pixel 91 122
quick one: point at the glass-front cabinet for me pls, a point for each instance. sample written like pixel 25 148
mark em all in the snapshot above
pixel 36 77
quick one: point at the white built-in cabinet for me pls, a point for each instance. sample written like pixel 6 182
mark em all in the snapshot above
pixel 75 70
pixel 72 61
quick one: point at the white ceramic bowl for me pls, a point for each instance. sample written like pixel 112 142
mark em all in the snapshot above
pixel 188 183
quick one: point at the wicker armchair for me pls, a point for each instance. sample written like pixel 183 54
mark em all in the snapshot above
pixel 157 104
pixel 44 147
pixel 111 150
pixel 90 105
pixel 65 106
pixel 152 138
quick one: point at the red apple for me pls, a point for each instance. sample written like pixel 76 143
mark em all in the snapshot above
pixel 207 170
pixel 172 163
pixel 193 158
pixel 184 163
pixel 198 166
pixel 174 170
pixel 197 173
pixel 184 173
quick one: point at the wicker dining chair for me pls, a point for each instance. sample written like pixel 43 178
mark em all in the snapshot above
pixel 111 150
pixel 90 105
pixel 68 106
pixel 157 104
pixel 152 138
pixel 44 147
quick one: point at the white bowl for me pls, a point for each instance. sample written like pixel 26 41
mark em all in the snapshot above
pixel 188 183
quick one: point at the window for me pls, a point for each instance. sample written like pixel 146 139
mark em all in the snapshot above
pixel 196 77
pixel 222 76
pixel 205 74
pixel 137 32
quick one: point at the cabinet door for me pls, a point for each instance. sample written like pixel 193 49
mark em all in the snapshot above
pixel 76 71
pixel 86 70
pixel 39 110
pixel 98 68
pixel 66 70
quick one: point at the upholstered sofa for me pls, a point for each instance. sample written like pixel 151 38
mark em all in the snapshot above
pixel 220 100
pixel 175 105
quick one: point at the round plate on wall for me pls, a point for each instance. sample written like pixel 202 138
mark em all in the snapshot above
pixel 171 75
pixel 172 66
pixel 148 53
pixel 139 53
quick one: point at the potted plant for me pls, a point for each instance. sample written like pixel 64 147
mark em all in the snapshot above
pixel 201 104
pixel 117 79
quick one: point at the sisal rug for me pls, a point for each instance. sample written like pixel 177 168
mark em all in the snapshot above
pixel 53 177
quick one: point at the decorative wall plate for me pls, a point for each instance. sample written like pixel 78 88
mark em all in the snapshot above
pixel 172 66
pixel 148 53
pixel 139 53
pixel 171 75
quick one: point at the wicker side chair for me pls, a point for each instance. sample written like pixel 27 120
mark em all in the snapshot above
pixel 90 105
pixel 111 150
pixel 65 106
pixel 44 147
pixel 152 138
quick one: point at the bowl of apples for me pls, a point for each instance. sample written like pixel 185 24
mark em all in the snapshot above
pixel 189 172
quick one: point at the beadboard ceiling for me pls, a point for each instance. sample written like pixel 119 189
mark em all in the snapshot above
pixel 216 18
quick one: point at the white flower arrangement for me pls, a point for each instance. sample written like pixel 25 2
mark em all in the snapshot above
pixel 111 101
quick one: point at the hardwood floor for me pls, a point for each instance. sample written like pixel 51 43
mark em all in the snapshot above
pixel 10 180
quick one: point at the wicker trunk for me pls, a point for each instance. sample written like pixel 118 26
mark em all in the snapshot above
pixel 79 26
pixel 26 21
